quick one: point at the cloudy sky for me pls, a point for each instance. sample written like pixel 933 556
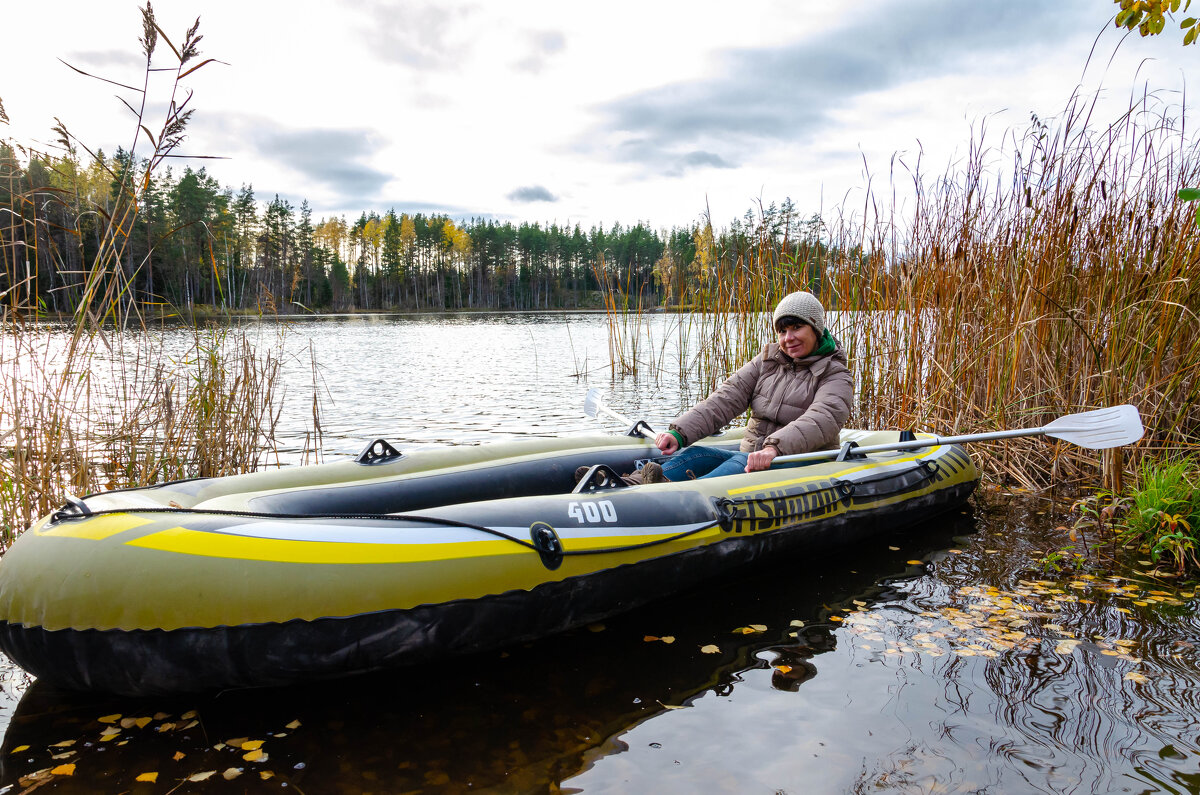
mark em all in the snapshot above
pixel 573 112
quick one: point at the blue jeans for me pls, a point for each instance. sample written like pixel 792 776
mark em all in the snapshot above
pixel 704 462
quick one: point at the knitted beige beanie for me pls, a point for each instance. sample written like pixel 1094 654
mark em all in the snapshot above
pixel 804 307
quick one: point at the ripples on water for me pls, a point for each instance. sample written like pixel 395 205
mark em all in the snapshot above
pixel 939 659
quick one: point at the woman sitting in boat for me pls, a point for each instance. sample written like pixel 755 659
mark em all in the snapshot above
pixel 798 391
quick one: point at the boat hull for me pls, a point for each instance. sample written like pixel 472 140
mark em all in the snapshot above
pixel 140 599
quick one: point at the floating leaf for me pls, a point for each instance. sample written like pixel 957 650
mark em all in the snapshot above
pixel 19 749
pixel 63 744
pixel 1066 646
pixel 894 549
pixel 161 715
pixel 796 623
pixel 237 742
pixel 207 774
pixel 266 774
pixel 293 725
pixel 63 770
pixel 649 638
pixel 250 745
pixel 231 773
pixel 110 718
pixel 915 562
pixel 836 618
pixel 150 778
pixel 1134 676
pixel 783 669
pixel 178 755
pixel 710 649
pixel 668 638
pixel 257 755
pixel 671 706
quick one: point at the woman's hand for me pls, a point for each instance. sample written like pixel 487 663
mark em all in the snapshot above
pixel 761 459
pixel 666 442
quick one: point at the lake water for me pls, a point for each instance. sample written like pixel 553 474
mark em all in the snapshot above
pixel 938 659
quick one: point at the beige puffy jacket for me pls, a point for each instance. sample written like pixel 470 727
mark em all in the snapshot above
pixel 797 405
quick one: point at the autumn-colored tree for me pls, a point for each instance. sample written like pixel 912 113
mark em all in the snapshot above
pixel 1149 17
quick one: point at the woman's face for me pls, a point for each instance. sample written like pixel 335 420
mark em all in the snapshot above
pixel 798 341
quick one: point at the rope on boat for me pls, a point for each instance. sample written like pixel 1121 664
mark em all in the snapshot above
pixel 726 506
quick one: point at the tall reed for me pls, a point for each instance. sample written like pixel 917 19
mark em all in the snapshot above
pixel 1056 273
pixel 86 406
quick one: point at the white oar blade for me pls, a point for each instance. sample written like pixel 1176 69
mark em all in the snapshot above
pixel 592 403
pixel 1099 429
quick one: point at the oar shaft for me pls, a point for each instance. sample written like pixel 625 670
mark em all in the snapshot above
pixel 927 441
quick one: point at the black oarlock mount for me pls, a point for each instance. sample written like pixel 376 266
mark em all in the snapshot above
pixel 637 429
pixel 547 543
pixel 378 452
pixel 847 452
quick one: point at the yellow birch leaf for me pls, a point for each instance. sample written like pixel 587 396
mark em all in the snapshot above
pixel 191 724
pixel 257 755
pixel 894 549
pixel 19 749
pixel 165 727
pixel 178 755
pixel 191 713
pixel 63 744
pixel 110 718
pixel 668 638
pixel 1065 646
pixel 796 623
pixel 231 773
pixel 142 723
pixel 836 618
pixel 293 725
pixel 710 649
pixel 127 723
pixel 1134 676
pixel 266 774
pixel 250 745
pixel 649 638
pixel 670 706
pixel 207 774
pixel 150 778
pixel 783 669
pixel 237 742
pixel 915 562
pixel 63 770
pixel 161 715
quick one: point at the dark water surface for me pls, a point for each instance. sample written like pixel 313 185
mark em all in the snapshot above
pixel 938 659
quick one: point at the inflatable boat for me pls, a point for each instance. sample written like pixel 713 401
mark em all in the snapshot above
pixel 394 558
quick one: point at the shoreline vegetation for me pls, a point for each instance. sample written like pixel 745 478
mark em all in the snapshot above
pixel 1053 269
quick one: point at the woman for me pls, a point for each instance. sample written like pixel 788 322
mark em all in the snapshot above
pixel 798 390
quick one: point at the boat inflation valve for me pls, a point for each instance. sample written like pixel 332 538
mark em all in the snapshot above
pixel 377 452
pixel 547 543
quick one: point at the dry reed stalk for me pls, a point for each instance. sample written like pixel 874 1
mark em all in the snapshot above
pixel 1056 274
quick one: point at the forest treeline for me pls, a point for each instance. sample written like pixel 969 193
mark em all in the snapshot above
pixel 186 241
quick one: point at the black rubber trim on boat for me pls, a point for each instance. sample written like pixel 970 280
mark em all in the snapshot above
pixel 400 517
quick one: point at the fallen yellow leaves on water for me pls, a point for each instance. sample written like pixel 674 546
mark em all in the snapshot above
pixel 796 623
pixel 191 713
pixel 63 770
pixel 710 649
pixel 1066 646
pixel 1134 676
pixel 257 755
pixel 231 773
pixel 670 706
pixel 894 549
pixel 19 749
pixel 293 725
pixel 63 744
pixel 205 776
pixel 915 562
pixel 836 618
pixel 266 774
pixel 249 745
pixel 149 778
pixel 110 718
pixel 783 669
pixel 178 755
pixel 750 630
